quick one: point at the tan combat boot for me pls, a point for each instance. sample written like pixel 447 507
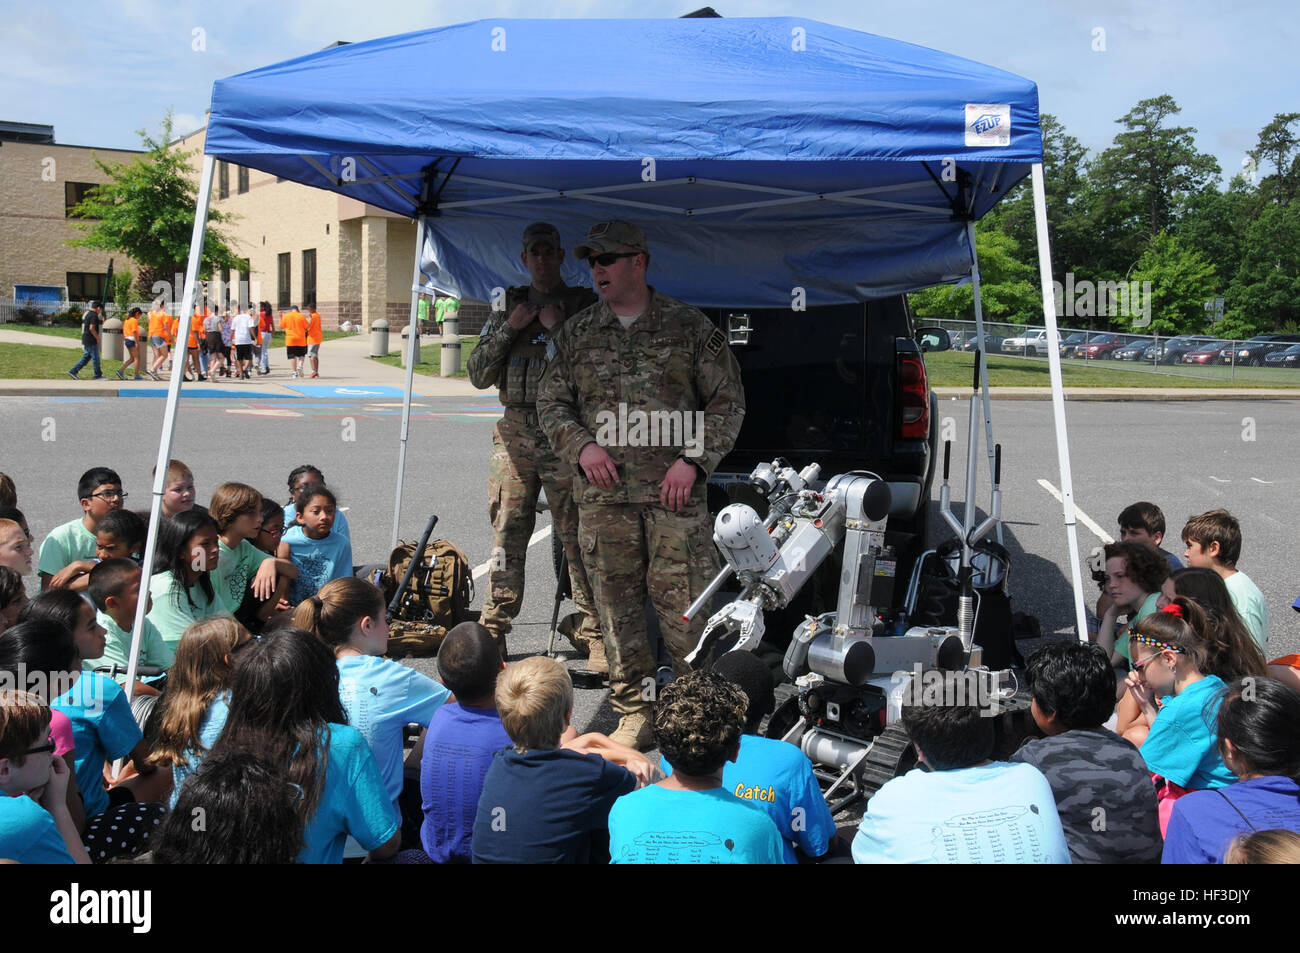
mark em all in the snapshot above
pixel 635 730
pixel 596 661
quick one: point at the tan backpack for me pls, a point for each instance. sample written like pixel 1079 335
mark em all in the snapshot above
pixel 436 598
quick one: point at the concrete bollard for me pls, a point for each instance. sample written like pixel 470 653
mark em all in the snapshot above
pixel 110 340
pixel 449 362
pixel 406 333
pixel 379 338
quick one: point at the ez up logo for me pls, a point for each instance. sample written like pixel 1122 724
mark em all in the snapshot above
pixel 988 124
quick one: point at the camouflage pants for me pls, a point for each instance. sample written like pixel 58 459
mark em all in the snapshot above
pixel 634 549
pixel 522 463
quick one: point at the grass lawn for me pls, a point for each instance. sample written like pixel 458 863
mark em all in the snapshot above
pixel 955 369
pixel 32 362
pixel 430 353
pixel 56 332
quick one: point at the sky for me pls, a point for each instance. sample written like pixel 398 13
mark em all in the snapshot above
pixel 100 71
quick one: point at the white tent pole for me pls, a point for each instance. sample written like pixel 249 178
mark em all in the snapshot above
pixel 186 304
pixel 1058 396
pixel 983 359
pixel 412 337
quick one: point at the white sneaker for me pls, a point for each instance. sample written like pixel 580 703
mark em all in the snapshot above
pixel 294 374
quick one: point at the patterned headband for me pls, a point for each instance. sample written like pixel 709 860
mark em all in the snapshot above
pixel 1147 640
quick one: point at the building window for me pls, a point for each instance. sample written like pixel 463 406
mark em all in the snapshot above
pixel 223 180
pixel 74 192
pixel 309 277
pixel 282 293
pixel 241 179
pixel 245 293
pixel 86 285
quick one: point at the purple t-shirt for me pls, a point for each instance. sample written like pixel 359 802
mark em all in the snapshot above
pixel 1205 822
pixel 458 751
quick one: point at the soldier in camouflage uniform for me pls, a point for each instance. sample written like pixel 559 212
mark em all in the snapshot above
pixel 643 395
pixel 511 355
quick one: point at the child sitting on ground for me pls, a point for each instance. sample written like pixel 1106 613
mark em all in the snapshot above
pixel 1259 739
pixel 68 552
pixel 1094 773
pixel 181 585
pixel 178 489
pixel 299 479
pixel 1177 738
pixel 1140 523
pixel 1214 542
pixel 115 591
pixel 35 825
pixel 926 817
pixel 242 567
pixel 194 708
pixel 380 696
pixel 320 553
pixel 121 534
pixel 15 547
pixel 461 740
pixel 542 803
pixel 771 774
pixel 689 817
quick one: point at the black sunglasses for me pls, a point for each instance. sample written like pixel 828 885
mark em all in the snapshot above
pixel 609 257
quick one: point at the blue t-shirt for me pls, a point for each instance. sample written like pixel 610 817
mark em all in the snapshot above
pixel 458 751
pixel 778 777
pixel 381 698
pixel 28 833
pixel 656 825
pixel 1205 822
pixel 354 801
pixel 104 730
pixel 996 813
pixel 1183 744
pixel 547 806
pixel 340 520
pixel 318 561
pixel 214 720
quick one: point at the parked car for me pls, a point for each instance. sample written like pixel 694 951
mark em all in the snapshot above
pixel 1254 351
pixel 1133 351
pixel 1099 346
pixel 1212 353
pixel 1172 351
pixel 1032 343
pixel 992 342
pixel 1070 342
pixel 1290 357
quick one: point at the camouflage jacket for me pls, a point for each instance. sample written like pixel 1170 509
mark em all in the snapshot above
pixel 513 361
pixel 664 388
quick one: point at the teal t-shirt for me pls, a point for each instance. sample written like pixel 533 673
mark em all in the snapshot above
pixel 354 801
pixel 235 571
pixel 657 826
pixel 214 721
pixel 117 647
pixel 172 613
pixel 1250 605
pixel 1183 744
pixel 1121 638
pixel 66 544
pixel 104 730
pixel 28 833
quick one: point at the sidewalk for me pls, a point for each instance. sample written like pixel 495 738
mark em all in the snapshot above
pixel 344 365
pixel 1128 393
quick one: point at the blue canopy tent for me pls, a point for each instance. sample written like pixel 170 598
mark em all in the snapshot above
pixel 759 155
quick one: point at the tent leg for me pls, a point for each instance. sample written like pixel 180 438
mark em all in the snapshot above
pixel 1058 397
pixel 186 304
pixel 412 337
pixel 983 359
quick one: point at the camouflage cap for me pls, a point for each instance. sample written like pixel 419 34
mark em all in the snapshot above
pixel 608 236
pixel 542 232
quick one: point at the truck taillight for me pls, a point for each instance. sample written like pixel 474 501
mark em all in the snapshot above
pixel 913 398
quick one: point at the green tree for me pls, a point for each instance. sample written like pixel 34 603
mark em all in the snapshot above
pixel 1181 281
pixel 1265 293
pixel 146 211
pixel 1139 186
pixel 1277 146
pixel 1215 224
pixel 1008 286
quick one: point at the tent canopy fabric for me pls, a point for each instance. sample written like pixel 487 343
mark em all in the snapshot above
pixel 757 154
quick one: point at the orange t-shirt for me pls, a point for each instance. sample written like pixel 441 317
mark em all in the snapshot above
pixel 314 333
pixel 173 328
pixel 131 329
pixel 195 323
pixel 294 326
pixel 160 325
